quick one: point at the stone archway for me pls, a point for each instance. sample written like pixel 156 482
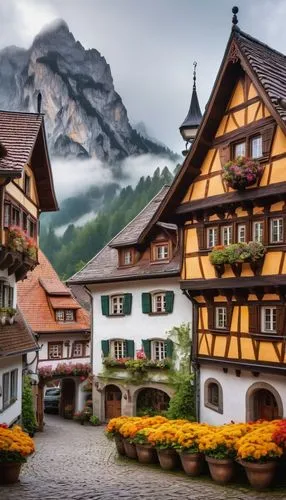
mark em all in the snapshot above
pixel 263 402
pixel 67 395
pixel 151 400
pixel 112 401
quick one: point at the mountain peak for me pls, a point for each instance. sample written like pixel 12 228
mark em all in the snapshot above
pixel 54 30
pixel 55 25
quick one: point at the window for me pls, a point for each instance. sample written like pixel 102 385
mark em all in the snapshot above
pixel 239 149
pixel 32 228
pixel 117 304
pixel 65 315
pixel 15 216
pixel 213 396
pixel 78 349
pixel 7 214
pixel 268 319
pixel 161 252
pixel 25 221
pixel 258 231
pixel 127 257
pixel 276 230
pixel 60 315
pixel 158 350
pixel 55 351
pixel 118 349
pixel 212 236
pixel 14 385
pixel 69 315
pixel 220 317
pixel 27 184
pixel 6 295
pixel 159 303
pixel 5 389
pixel 241 233
pixel 226 235
pixel 256 146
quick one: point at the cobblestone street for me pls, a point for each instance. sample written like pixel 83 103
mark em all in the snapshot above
pixel 77 462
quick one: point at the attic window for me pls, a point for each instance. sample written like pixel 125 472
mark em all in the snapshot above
pixel 65 315
pixel 160 251
pixel 239 149
pixel 27 184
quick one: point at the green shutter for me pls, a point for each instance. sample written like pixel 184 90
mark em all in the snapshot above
pixel 130 350
pixel 105 347
pixel 127 303
pixel 146 303
pixel 146 344
pixel 169 301
pixel 105 305
pixel 169 348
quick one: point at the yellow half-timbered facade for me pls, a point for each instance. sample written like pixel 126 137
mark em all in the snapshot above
pixel 239 298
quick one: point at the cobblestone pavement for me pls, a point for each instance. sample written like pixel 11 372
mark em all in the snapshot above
pixel 77 462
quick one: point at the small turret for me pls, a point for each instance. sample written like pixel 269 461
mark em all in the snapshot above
pixel 190 125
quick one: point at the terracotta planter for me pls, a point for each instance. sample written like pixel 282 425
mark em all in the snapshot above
pixel 9 472
pixel 192 463
pixel 130 449
pixel 221 470
pixel 168 458
pixel 146 454
pixel 119 445
pixel 260 476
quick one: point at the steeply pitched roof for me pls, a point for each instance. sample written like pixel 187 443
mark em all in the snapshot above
pixel 37 304
pixel 104 266
pixel 22 135
pixel 81 295
pixel 16 338
pixel 266 67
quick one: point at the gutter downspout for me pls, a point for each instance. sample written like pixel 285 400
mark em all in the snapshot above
pixel 91 344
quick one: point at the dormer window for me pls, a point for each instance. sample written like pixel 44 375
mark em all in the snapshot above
pixel 239 149
pixel 161 251
pixel 127 257
pixel 251 146
pixel 65 315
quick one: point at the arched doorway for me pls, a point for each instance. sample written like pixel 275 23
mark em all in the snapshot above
pixel 113 396
pixel 67 396
pixel 265 405
pixel 151 401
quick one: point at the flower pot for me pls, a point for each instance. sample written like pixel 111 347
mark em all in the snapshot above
pixel 146 454
pixel 119 445
pixel 192 463
pixel 168 458
pixel 260 476
pixel 221 470
pixel 130 449
pixel 9 472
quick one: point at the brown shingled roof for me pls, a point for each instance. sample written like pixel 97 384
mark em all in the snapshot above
pixel 35 302
pixel 104 266
pixel 16 338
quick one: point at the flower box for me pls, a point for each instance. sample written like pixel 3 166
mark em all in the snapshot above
pixel 237 254
pixel 242 173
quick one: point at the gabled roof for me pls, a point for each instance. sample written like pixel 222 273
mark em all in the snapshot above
pixel 23 140
pixel 266 67
pixel 38 305
pixel 104 266
pixel 16 338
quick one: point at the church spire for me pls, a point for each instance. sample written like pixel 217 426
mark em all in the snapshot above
pixel 190 125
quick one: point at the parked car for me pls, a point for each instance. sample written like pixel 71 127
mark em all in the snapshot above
pixel 52 400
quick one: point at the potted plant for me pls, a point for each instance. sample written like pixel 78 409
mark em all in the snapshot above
pixel 31 248
pixel 3 315
pixel 187 445
pixel 236 254
pixel 17 240
pixel 112 432
pixel 242 172
pixel 145 451
pixel 258 452
pixel 15 446
pixel 163 438
pixel 11 312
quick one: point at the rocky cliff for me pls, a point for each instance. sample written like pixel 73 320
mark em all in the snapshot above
pixel 84 115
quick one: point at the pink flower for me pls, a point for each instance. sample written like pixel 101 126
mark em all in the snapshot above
pixel 140 354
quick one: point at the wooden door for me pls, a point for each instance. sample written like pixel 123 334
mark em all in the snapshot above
pixel 112 402
pixel 265 405
pixel 67 395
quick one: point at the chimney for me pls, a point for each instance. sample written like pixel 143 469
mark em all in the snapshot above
pixel 39 102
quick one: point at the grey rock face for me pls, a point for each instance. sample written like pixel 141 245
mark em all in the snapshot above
pixel 84 115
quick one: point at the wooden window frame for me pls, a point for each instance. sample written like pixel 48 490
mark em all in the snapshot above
pixel 122 253
pixel 14 385
pixel 251 139
pixel 27 185
pixel 117 349
pixel 154 247
pixel 226 226
pixel 64 312
pixel 154 296
pixel 5 390
pixel 234 145
pixel 208 229
pixel 216 312
pixel 83 347
pixel 51 344
pixel 162 348
pixel 238 226
pixel 271 220
pixel 263 320
pixel 208 404
pixel 259 221
pixel 111 304
pixel 247 139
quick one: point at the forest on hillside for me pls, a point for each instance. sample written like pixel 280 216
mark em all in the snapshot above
pixel 69 252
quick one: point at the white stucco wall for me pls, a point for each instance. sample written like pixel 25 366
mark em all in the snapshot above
pixel 234 393
pixel 8 364
pixel 136 326
pixel 67 352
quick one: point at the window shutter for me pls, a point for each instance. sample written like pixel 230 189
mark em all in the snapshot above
pixel 211 317
pixel 169 301
pixel 11 296
pixel 253 312
pixel 127 303
pixel 130 350
pixel 267 138
pixel 224 153
pixel 146 303
pixel 105 348
pixel 280 321
pixel 200 235
pixel 146 344
pixel 105 305
pixel 169 348
pixel 229 311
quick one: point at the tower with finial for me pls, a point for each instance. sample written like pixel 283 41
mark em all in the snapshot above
pixel 190 125
pixel 234 17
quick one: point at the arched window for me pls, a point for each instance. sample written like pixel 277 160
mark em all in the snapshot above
pixel 213 395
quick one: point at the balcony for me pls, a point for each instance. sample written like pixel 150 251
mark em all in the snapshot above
pixel 18 253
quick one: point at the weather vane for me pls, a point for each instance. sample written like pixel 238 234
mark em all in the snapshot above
pixel 234 17
pixel 195 74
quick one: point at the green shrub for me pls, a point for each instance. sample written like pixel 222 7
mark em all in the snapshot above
pixel 28 414
pixel 94 420
pixel 182 404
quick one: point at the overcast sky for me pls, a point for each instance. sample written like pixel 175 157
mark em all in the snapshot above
pixel 151 45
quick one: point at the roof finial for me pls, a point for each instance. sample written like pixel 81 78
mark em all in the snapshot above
pixel 234 17
pixel 39 102
pixel 195 74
